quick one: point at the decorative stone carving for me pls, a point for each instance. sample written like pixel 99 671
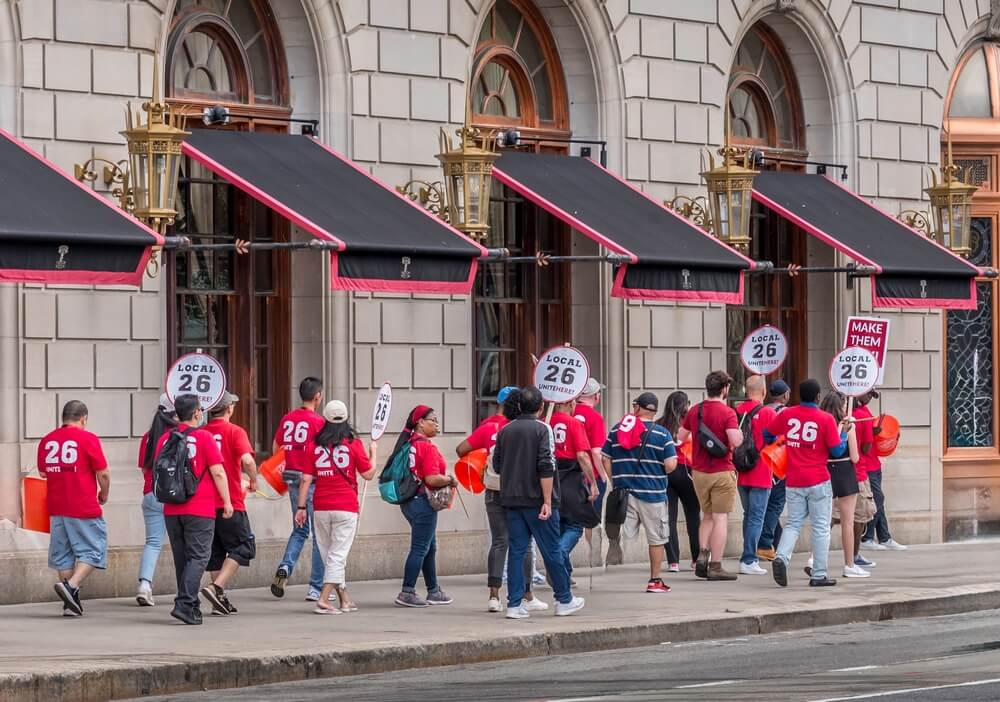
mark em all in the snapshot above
pixel 786 5
pixel 993 28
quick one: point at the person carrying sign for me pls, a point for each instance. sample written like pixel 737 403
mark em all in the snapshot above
pixel 638 455
pixel 754 485
pixel 812 438
pixel 714 431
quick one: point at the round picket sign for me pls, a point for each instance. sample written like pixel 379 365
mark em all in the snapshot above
pixel 381 412
pixel 561 374
pixel 197 374
pixel 854 371
pixel 764 350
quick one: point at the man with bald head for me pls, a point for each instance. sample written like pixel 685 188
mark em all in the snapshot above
pixel 754 485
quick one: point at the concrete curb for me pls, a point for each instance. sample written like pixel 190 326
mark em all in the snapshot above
pixel 144 676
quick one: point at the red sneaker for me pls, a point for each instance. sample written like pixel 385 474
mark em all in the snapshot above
pixel 657 585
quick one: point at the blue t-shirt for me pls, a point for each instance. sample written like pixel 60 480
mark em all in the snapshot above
pixel 644 477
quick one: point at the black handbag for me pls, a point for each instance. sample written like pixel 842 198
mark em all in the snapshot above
pixel 709 441
pixel 616 509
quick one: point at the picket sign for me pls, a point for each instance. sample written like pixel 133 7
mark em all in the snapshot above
pixel 871 334
pixel 196 374
pixel 764 350
pixel 854 371
pixel 561 374
pixel 381 411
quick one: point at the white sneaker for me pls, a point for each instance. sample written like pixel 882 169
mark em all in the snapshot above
pixel 571 607
pixel 674 568
pixel 535 605
pixel 494 605
pixel 872 546
pixel 856 572
pixel 517 612
pixel 751 569
pixel 144 596
pixel 892 545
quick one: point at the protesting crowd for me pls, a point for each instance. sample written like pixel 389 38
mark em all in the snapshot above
pixel 553 476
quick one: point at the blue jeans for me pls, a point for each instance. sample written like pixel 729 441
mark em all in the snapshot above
pixel 423 544
pixel 73 540
pixel 770 535
pixel 880 525
pixel 522 525
pixel 816 503
pixel 754 502
pixel 297 540
pixel 156 531
pixel 569 537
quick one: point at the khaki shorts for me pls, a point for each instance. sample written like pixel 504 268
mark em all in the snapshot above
pixel 652 516
pixel 864 509
pixel 716 491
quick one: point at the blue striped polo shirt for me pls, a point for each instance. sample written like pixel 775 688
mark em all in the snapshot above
pixel 645 477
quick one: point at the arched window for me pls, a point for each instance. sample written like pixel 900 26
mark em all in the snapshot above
pixel 765 107
pixel 518 77
pixel 975 86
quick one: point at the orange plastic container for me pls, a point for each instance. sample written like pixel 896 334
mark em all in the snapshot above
pixel 271 471
pixel 686 451
pixel 775 457
pixel 34 511
pixel 469 470
pixel 888 439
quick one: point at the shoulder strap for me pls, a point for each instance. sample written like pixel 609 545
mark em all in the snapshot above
pixel 645 440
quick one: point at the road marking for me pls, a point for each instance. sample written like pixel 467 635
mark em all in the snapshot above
pixel 893 693
pixel 708 684
pixel 860 667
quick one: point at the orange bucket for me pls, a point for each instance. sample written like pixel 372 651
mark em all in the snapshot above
pixel 686 451
pixel 34 511
pixel 888 439
pixel 775 457
pixel 469 470
pixel 271 471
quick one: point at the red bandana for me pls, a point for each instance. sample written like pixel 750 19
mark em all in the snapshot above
pixel 630 431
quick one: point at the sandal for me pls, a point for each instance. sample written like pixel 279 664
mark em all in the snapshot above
pixel 349 607
pixel 326 610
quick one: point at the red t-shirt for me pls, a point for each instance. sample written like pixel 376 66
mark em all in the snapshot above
pixel 593 424
pixel 296 430
pixel 865 432
pixel 335 472
pixel 485 435
pixel 233 444
pixel 204 452
pixel 809 434
pixel 426 459
pixel 570 436
pixel 70 458
pixel 760 476
pixel 718 416
pixel 147 475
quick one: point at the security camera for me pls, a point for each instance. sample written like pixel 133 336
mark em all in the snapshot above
pixel 509 137
pixel 215 116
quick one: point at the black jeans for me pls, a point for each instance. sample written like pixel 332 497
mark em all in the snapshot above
pixel 880 525
pixel 497 516
pixel 191 545
pixel 681 489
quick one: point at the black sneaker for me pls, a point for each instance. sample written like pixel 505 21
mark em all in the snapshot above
pixel 278 584
pixel 70 597
pixel 67 612
pixel 808 570
pixel 227 604
pixel 779 571
pixel 193 617
pixel 822 582
pixel 215 594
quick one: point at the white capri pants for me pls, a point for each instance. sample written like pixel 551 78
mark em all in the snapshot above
pixel 335 531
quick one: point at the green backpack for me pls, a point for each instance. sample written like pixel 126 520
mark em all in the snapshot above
pixel 396 483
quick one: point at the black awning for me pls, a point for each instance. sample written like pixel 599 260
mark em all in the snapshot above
pixel 386 242
pixel 913 271
pixel 671 258
pixel 54 229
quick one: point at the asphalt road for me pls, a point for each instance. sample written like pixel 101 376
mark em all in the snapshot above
pixel 936 659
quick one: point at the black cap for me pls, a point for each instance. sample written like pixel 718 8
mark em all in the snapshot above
pixel 779 387
pixel 809 390
pixel 647 401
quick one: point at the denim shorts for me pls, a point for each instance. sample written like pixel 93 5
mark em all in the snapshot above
pixel 72 540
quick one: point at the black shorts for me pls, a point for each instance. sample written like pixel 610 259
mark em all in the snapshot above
pixel 233 539
pixel 843 479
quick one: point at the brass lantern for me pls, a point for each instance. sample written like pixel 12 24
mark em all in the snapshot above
pixel 951 207
pixel 730 195
pixel 468 178
pixel 154 150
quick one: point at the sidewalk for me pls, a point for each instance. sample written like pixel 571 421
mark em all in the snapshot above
pixel 118 650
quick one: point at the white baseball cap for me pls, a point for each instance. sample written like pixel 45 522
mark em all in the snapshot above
pixel 335 412
pixel 592 387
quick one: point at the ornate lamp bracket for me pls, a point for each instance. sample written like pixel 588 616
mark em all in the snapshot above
pixel 428 195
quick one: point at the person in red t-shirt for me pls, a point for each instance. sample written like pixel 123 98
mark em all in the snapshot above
pixel 233 545
pixel 811 439
pixel 71 460
pixel 191 525
pixel 754 485
pixel 164 420
pixel 296 431
pixel 714 476
pixel 866 509
pixel 428 467
pixel 577 482
pixel 339 458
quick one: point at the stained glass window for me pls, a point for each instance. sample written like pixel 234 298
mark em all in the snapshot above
pixel 970 356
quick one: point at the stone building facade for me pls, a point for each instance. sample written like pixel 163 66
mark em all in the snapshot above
pixel 382 77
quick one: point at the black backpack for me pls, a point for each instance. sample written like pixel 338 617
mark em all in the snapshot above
pixel 746 456
pixel 174 481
